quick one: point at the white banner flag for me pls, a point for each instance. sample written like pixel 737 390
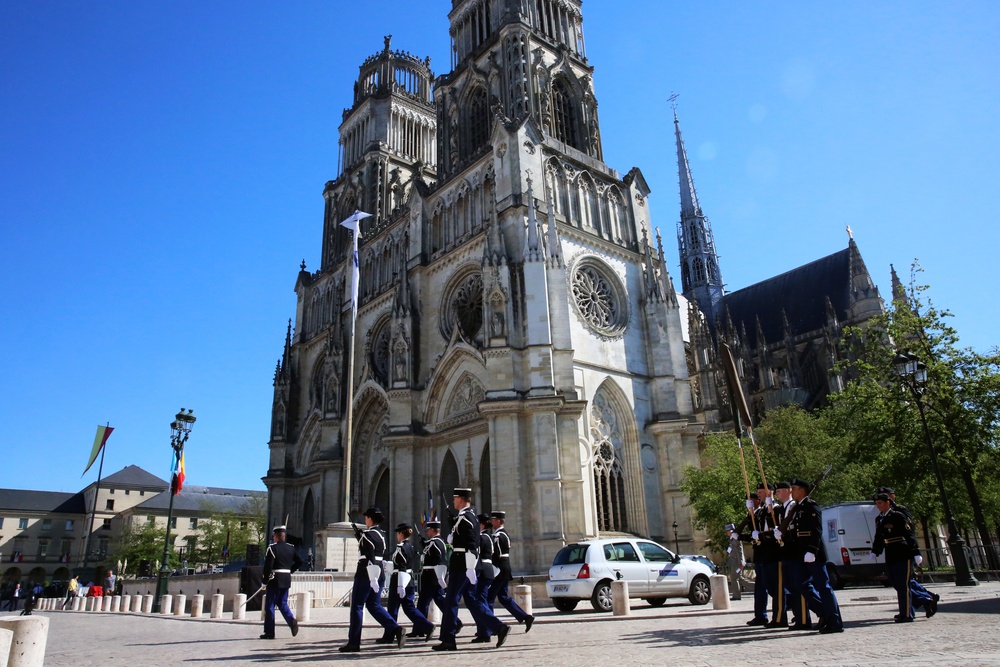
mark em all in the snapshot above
pixel 353 223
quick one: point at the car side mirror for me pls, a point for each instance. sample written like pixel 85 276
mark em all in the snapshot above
pixel 676 559
pixel 618 575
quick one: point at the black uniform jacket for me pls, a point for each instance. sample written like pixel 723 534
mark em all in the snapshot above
pixel 501 551
pixel 280 561
pixel 894 535
pixel 464 538
pixel 805 529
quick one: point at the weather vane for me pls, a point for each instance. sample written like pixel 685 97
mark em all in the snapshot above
pixel 673 101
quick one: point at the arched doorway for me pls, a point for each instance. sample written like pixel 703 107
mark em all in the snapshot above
pixel 12 575
pixel 449 480
pixel 37 575
pixel 380 498
pixel 485 496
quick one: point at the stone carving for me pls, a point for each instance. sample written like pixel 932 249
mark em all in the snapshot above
pixel 467 394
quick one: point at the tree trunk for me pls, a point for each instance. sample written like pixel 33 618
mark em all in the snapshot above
pixel 992 558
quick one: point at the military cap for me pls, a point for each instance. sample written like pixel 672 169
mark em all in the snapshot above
pixel 484 518
pixel 801 483
pixel 375 514
pixel 753 495
pixel 886 489
pixel 435 524
pixel 761 485
pixel 882 496
pixel 783 485
pixel 730 526
pixel 278 529
pixel 499 515
pixel 462 492
pixel 404 528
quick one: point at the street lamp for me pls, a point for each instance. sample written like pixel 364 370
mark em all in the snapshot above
pixel 913 373
pixel 180 428
pixel 677 547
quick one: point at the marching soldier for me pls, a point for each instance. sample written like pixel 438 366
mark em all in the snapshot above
pixel 920 595
pixel 894 535
pixel 368 581
pixel 791 560
pixel 432 573
pixel 401 588
pixel 764 562
pixel 462 573
pixel 485 574
pixel 280 560
pixel 501 558
pixel 814 581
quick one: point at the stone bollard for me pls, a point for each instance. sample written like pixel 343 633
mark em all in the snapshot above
pixel 434 614
pixel 126 602
pixel 106 603
pixel 218 601
pixel 6 639
pixel 197 605
pixel 181 603
pixel 137 603
pixel 116 603
pixel 92 604
pixel 522 596
pixel 720 591
pixel 27 646
pixel 303 606
pixel 166 604
pixel 620 605
pixel 77 604
pixel 239 607
pixel 147 604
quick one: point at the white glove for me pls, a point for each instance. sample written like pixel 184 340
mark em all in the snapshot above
pixel 871 554
pixel 918 559
pixel 769 501
pixel 375 586
pixel 449 538
pixel 471 576
pixel 739 570
pixel 730 550
pixel 749 504
pixel 777 534
pixel 755 535
pixel 810 557
pixel 401 590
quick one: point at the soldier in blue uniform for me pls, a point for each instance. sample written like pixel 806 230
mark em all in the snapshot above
pixel 401 587
pixel 280 560
pixel 464 540
pixel 368 581
pixel 433 571
pixel 485 574
pixel 765 560
pixel 921 596
pixel 806 524
pixel 501 559
pixel 894 535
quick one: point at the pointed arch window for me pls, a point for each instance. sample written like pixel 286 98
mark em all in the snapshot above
pixel 478 125
pixel 606 443
pixel 698 269
pixel 565 115
pixel 685 276
pixel 693 235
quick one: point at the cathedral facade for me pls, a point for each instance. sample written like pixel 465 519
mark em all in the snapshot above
pixel 517 330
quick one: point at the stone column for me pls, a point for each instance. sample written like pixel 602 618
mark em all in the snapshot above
pixel 6 639
pixel 720 591
pixel 240 607
pixel 30 633
pixel 106 603
pixel 166 604
pixel 522 596
pixel 218 600
pixel 77 604
pixel 137 603
pixel 116 603
pixel 197 605
pixel 147 604
pixel 303 605
pixel 181 603
pixel 620 605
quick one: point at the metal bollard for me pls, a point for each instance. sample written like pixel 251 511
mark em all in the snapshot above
pixel 720 591
pixel 303 606
pixel 218 601
pixel 239 606
pixel 197 605
pixel 620 605
pixel 181 603
pixel 147 604
pixel 522 596
pixel 27 647
pixel 166 604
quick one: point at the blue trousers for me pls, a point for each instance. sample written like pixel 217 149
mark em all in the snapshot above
pixel 363 597
pixel 793 575
pixel 457 584
pixel 761 588
pixel 276 596
pixel 420 623
pixel 499 593
pixel 814 583
pixel 479 593
pixel 430 591
pixel 909 593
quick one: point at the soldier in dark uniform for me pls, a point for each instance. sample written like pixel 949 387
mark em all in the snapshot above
pixel 401 588
pixel 280 560
pixel 894 535
pixel 814 583
pixel 920 595
pixel 763 569
pixel 462 573
pixel 791 559
pixel 501 558
pixel 432 573
pixel 485 574
pixel 368 581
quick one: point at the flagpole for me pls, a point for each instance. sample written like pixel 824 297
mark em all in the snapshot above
pixel 93 511
pixel 348 439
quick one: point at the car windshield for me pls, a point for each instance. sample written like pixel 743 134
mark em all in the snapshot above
pixel 574 554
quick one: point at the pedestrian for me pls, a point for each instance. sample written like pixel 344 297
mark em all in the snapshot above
pixel 15 597
pixel 110 582
pixel 71 591
pixel 29 599
pixel 894 535
pixel 368 581
pixel 485 574
pixel 462 573
pixel 814 580
pixel 734 561
pixel 280 560
pixel 401 588
pixel 501 559
pixel 432 571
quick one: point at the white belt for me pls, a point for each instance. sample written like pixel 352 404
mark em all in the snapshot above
pixel 283 571
pixel 459 551
pixel 485 560
pixel 377 559
pixel 504 555
pixel 429 567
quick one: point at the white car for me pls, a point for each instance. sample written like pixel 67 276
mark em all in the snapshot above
pixel 585 570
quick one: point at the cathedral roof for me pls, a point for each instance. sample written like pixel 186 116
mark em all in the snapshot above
pixel 800 294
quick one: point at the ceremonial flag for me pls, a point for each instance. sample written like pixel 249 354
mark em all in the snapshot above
pixel 225 548
pixel 430 500
pixel 177 482
pixel 353 223
pixel 103 433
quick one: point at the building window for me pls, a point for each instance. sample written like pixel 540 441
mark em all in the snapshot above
pixel 478 121
pixel 151 520
pixel 110 505
pixel 173 522
pixel 43 549
pixel 192 523
pixel 102 547
pixel 1 522
pixel 564 115
pixel 111 491
pixel 65 549
pixel 106 524
pixel 69 524
pixel 609 478
pixel 46 524
pixel 126 492
pixel 22 524
pixel 142 493
pixel 243 525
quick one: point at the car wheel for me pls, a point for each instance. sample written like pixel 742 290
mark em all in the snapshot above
pixel 836 581
pixel 602 599
pixel 656 602
pixel 701 591
pixel 565 604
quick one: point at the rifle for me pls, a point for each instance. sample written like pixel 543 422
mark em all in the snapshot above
pixel 357 531
pixel 821 477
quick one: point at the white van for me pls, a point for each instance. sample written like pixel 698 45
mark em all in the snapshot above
pixel 848 530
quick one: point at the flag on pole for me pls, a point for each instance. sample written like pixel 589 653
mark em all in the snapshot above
pixel 103 433
pixel 430 501
pixel 353 223
pixel 177 480
pixel 225 548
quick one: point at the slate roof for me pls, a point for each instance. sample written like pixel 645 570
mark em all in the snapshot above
pixel 41 501
pixel 802 294
pixel 195 498
pixel 133 476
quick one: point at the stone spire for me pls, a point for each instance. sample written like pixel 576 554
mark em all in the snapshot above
pixel 701 278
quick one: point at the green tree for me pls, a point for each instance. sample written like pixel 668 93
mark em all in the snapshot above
pixel 138 541
pixel 237 529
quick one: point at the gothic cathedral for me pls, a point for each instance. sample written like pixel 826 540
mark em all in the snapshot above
pixel 517 329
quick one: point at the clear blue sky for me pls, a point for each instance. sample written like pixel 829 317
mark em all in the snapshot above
pixel 162 164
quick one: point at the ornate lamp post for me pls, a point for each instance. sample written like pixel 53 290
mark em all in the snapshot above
pixel 180 428
pixel 677 548
pixel 913 373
